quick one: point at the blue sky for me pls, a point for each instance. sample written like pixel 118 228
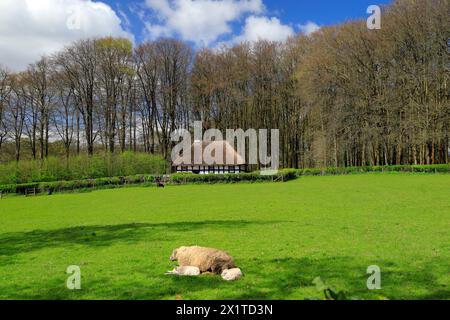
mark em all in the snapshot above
pixel 288 12
pixel 31 29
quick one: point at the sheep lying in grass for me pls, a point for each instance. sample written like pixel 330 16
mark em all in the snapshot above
pixel 232 274
pixel 206 259
pixel 185 271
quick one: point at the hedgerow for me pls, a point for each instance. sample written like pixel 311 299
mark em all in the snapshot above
pixel 442 168
pixel 282 175
pixel 189 178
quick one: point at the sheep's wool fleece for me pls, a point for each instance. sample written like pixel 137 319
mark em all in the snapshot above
pixel 232 274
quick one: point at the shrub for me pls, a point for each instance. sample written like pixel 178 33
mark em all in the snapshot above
pixel 61 186
pixel 183 178
pixel 8 188
pixel 445 168
pixel 81 167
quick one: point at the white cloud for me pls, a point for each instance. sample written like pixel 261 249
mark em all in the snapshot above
pixel 264 28
pixel 31 28
pixel 199 21
pixel 308 28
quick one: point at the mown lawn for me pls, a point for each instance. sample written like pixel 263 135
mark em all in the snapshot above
pixel 281 235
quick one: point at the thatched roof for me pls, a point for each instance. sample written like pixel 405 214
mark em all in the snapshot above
pixel 223 146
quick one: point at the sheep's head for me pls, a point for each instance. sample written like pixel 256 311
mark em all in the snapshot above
pixel 174 256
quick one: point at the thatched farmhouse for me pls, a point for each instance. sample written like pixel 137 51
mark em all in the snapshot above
pixel 222 164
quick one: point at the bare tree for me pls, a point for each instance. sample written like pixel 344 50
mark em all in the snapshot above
pixel 41 95
pixel 5 90
pixel 65 113
pixel 174 57
pixel 79 64
pixel 147 67
pixel 114 57
pixel 15 113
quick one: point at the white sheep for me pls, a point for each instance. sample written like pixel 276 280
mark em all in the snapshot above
pixel 185 271
pixel 232 274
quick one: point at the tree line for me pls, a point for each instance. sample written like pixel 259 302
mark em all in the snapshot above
pixel 342 96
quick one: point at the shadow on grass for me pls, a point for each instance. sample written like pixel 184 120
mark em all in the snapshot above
pixel 289 278
pixel 283 278
pixel 22 242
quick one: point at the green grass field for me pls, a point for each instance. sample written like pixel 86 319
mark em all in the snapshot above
pixel 282 235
